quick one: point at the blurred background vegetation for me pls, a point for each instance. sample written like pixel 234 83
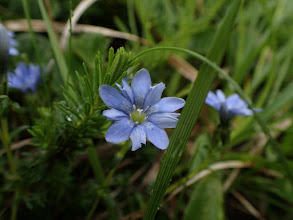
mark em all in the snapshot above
pixel 252 180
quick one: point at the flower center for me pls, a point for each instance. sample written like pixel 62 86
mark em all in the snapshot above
pixel 138 116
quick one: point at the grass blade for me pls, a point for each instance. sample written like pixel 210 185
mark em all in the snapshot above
pixel 54 43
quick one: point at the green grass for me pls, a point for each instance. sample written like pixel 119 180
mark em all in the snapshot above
pixel 53 140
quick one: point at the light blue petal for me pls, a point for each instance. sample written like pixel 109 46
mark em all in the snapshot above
pixel 240 112
pixel 154 95
pixel 140 85
pixel 156 135
pixel 119 131
pixel 138 137
pixel 234 101
pixel 126 90
pixel 34 76
pixel 12 51
pixel 221 95
pixel 13 81
pixel 114 114
pixel 21 70
pixel 12 43
pixel 25 77
pixel 114 99
pixel 236 106
pixel 164 120
pixel 213 100
pixel 258 109
pixel 168 104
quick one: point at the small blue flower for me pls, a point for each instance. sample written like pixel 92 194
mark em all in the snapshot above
pixel 139 113
pixel 25 77
pixel 228 107
pixel 12 44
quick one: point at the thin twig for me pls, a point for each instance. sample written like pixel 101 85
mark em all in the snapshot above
pixel 17 145
pixel 247 205
pixel 186 69
pixel 39 26
pixel 283 125
pixel 217 166
pixel 183 67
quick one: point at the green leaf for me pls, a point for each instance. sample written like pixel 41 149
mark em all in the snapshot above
pixel 202 152
pixel 206 201
pixel 18 130
pixel 110 58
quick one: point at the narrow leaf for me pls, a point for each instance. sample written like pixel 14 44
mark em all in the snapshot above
pixel 54 43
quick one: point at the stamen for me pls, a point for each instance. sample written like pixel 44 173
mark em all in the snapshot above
pixel 146 109
pixel 134 107
pixel 137 116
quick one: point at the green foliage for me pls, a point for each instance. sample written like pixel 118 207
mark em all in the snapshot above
pixel 206 200
pixel 54 158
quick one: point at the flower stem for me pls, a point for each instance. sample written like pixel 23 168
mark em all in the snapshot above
pixel 104 190
pixel 5 139
pixel 98 173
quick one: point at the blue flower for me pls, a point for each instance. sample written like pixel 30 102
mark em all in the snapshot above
pixel 12 44
pixel 228 107
pixel 139 113
pixel 25 77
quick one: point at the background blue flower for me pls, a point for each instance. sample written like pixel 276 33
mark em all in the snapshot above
pixel 138 111
pixel 228 107
pixel 25 77
pixel 12 44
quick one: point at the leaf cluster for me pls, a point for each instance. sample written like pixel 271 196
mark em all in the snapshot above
pixel 76 121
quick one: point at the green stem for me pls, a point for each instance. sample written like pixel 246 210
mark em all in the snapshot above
pixel 6 144
pixel 4 135
pixel 34 42
pixel 28 19
pixel 96 165
pixel 119 157
pixel 70 38
pixel 104 191
pixel 93 209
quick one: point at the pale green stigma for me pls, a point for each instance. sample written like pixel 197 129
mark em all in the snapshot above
pixel 138 116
